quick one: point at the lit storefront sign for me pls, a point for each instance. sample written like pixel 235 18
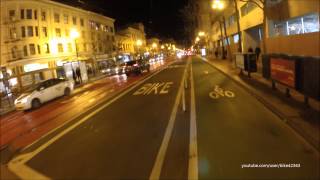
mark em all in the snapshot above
pixel 34 67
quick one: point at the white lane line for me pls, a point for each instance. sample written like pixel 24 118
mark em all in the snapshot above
pixel 193 148
pixel 18 166
pixel 156 170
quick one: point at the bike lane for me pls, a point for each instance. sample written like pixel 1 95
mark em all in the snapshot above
pixel 234 129
pixel 120 140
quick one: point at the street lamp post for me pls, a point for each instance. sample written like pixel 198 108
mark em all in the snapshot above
pixel 74 35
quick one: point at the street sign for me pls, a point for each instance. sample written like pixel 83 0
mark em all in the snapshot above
pixel 159 88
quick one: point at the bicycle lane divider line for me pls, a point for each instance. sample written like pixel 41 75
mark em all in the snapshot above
pixel 17 165
pixel 156 170
pixel 193 147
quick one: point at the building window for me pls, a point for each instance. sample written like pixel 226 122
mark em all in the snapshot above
pixel 60 48
pixel 69 47
pixel 43 16
pixel 14 52
pixel 66 19
pixel 56 18
pixel 247 8
pixel 29 13
pixel 236 38
pixel 74 20
pixel 36 31
pixel 25 50
pixel 13 33
pixel 32 49
pixel 83 34
pixel 300 25
pixel 67 32
pixel 35 14
pixel 39 49
pixel 23 31
pixel 81 22
pixel 111 29
pixel 44 31
pixel 58 32
pixel 22 13
pixel 12 13
pixel 46 48
pixel 30 31
pixel 311 23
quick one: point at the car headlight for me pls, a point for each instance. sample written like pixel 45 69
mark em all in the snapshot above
pixel 23 100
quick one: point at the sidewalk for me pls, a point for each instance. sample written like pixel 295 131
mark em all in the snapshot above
pixel 304 120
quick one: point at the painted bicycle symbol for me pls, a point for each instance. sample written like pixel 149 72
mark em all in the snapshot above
pixel 219 92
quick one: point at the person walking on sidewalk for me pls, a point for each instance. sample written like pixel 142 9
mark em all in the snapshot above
pixel 78 72
pixel 257 51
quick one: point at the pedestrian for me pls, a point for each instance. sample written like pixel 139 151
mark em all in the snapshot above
pixel 250 50
pixel 78 72
pixel 74 76
pixel 216 53
pixel 257 51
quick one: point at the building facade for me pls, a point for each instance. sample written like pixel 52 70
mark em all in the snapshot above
pixel 293 30
pixel 132 39
pixel 42 39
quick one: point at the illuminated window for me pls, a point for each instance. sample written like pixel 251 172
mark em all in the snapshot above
pixel 69 47
pixel 56 17
pixel 247 8
pixel 66 19
pixel 58 32
pixel 67 32
pixel 32 49
pixel 43 16
pixel 236 38
pixel 60 48
pixel 311 23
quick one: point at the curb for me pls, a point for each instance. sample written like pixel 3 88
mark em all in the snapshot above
pixel 272 108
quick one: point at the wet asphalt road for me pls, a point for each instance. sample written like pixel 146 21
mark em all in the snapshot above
pixel 122 140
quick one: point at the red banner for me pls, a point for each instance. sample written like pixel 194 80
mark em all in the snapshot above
pixel 283 71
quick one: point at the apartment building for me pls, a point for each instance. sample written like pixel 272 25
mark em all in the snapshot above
pixel 293 30
pixel 132 39
pixel 42 39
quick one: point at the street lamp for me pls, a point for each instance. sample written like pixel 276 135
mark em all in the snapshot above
pixel 139 44
pixel 217 4
pixel 201 33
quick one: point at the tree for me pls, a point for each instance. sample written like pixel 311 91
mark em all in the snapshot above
pixel 189 14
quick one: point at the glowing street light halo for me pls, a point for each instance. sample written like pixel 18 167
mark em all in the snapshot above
pixel 74 34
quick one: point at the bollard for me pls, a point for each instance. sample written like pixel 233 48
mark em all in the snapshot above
pixel 183 100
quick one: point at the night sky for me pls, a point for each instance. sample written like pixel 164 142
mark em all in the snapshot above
pixel 160 17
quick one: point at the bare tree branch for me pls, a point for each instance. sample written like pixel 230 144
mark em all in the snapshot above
pixel 254 2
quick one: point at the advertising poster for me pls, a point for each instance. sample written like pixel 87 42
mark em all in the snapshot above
pixel 283 71
pixel 240 61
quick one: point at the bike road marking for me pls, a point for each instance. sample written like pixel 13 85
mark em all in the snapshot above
pixel 193 147
pixel 156 170
pixel 18 166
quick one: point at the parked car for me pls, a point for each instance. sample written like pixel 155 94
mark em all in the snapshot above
pixel 114 70
pixel 43 92
pixel 136 67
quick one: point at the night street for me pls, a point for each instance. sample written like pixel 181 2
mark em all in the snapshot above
pixel 124 136
pixel 157 90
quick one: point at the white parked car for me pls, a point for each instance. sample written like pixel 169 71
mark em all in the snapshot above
pixel 45 91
